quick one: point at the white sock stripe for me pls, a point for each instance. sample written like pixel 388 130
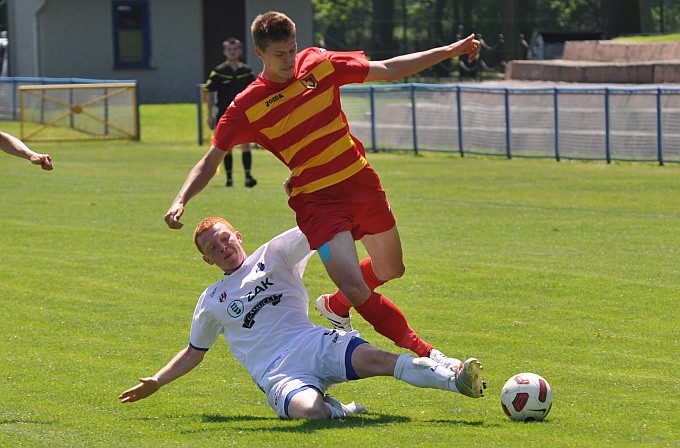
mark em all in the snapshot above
pixel 401 361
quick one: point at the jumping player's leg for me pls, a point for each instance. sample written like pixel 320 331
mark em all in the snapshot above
pixel 384 250
pixel 384 263
pixel 341 263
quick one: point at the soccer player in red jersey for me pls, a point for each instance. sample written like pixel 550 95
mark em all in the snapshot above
pixel 293 110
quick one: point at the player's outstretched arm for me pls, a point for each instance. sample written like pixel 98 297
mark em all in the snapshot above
pixel 409 64
pixel 14 146
pixel 185 361
pixel 198 178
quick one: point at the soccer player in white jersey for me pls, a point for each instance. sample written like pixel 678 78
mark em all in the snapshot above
pixel 260 305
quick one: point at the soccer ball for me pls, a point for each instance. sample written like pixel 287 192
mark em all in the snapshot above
pixel 526 397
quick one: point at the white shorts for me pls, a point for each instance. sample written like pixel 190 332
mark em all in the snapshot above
pixel 318 358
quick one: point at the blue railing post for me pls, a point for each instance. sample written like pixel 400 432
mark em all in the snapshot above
pixel 374 142
pixel 556 115
pixel 414 122
pixel 508 151
pixel 459 105
pixel 659 127
pixel 608 154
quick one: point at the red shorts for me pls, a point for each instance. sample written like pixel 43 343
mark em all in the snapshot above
pixel 357 204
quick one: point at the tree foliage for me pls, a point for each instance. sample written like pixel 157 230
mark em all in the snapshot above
pixel 387 27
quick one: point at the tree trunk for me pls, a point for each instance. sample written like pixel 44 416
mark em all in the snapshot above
pixel 468 26
pixel 619 17
pixel 438 15
pixel 383 44
pixel 508 27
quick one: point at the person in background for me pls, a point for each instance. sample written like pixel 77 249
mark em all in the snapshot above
pixel 225 82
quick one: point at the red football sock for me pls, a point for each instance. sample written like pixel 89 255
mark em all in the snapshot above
pixel 339 303
pixel 388 320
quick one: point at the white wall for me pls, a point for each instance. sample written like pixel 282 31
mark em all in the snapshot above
pixel 74 38
pixel 22 31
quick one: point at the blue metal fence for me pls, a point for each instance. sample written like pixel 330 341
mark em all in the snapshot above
pixel 598 123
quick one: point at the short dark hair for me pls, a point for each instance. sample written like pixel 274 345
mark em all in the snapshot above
pixel 231 41
pixel 271 27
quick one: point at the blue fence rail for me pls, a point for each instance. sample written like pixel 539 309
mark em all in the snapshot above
pixel 596 123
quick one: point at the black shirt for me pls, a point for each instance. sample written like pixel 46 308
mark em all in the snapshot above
pixel 228 83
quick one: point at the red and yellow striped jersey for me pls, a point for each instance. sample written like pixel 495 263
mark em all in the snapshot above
pixel 301 121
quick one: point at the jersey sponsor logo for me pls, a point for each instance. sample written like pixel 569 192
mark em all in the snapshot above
pixel 263 286
pixel 235 308
pixel 273 99
pixel 249 320
pixel 310 82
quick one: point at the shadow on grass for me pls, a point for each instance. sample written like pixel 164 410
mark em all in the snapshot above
pixel 26 421
pixel 457 422
pixel 307 426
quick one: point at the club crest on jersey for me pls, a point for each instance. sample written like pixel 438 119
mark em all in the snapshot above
pixel 260 267
pixel 310 82
pixel 222 296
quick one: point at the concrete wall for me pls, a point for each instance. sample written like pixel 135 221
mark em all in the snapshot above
pixel 615 51
pixel 22 31
pixel 605 62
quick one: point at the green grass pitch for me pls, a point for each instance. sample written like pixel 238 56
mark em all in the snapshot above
pixel 569 269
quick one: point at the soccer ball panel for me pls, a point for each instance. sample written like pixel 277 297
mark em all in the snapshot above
pixel 526 397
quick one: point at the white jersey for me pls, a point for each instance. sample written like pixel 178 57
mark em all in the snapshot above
pixel 260 306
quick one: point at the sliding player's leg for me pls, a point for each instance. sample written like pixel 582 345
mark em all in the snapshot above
pixel 368 361
pixel 340 259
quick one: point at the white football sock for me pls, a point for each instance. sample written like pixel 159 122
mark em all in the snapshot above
pixel 424 372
